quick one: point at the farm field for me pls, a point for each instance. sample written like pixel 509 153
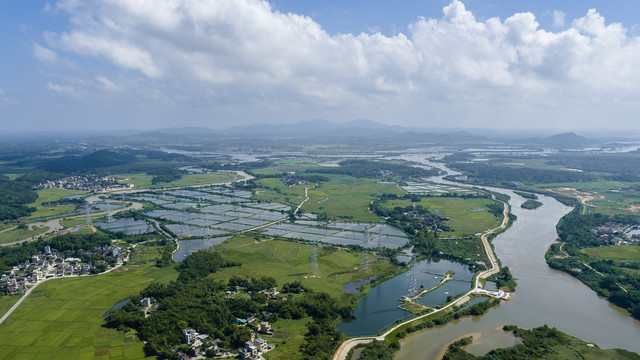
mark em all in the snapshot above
pixel 348 198
pixel 616 252
pixel 468 216
pixel 291 261
pixel 19 234
pixel 6 302
pixel 62 318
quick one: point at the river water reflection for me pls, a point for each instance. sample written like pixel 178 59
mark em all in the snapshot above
pixel 543 295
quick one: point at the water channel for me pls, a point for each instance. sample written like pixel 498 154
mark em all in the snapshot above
pixel 543 295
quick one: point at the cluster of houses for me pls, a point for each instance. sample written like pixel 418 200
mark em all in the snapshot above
pixel 617 234
pixel 91 183
pixel 199 347
pixel 50 264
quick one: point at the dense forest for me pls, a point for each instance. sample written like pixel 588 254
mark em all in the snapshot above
pixel 198 301
pixel 375 169
pixel 618 284
pixel 16 194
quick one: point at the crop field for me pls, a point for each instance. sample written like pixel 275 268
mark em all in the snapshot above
pixel 617 252
pixel 347 198
pixel 19 234
pixel 291 261
pixel 468 216
pixel 7 301
pixel 62 318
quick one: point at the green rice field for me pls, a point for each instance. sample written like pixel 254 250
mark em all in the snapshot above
pixel 62 318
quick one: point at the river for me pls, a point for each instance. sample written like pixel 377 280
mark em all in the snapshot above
pixel 543 295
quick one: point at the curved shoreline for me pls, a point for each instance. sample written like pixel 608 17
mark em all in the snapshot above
pixel 474 335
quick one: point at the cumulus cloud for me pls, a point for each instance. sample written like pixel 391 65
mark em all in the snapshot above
pixel 244 51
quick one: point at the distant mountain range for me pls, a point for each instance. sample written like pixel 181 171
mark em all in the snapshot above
pixel 359 131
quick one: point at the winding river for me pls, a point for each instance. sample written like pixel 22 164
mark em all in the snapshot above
pixel 543 295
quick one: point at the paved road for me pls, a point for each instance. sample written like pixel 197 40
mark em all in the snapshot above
pixel 343 350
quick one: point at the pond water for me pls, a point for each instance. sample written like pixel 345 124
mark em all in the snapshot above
pixel 379 308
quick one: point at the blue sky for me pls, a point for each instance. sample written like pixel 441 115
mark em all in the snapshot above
pixel 390 17
pixel 217 63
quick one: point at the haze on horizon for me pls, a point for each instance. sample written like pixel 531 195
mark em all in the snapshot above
pixel 117 64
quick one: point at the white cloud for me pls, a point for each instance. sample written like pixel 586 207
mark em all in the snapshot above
pixel 106 83
pixel 242 52
pixel 559 18
pixel 62 89
pixel 43 54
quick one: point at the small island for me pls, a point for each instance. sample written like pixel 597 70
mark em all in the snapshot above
pixel 531 204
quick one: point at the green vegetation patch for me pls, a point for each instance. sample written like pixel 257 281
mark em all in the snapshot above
pixel 289 261
pixel 531 204
pixel 620 252
pixel 21 233
pixel 62 318
pixel 467 216
pixel 49 195
pixel 347 198
pixel 145 181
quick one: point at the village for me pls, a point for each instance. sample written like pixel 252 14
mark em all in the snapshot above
pixel 50 264
pixel 91 183
pixel 617 234
pixel 200 346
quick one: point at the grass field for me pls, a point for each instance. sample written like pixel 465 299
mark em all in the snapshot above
pixel 618 252
pixel 13 176
pixel 46 195
pixel 6 302
pixel 348 198
pixel 288 338
pixel 291 261
pixel 80 220
pixel 62 318
pixel 143 181
pixel 276 191
pixel 468 216
pixel 20 234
